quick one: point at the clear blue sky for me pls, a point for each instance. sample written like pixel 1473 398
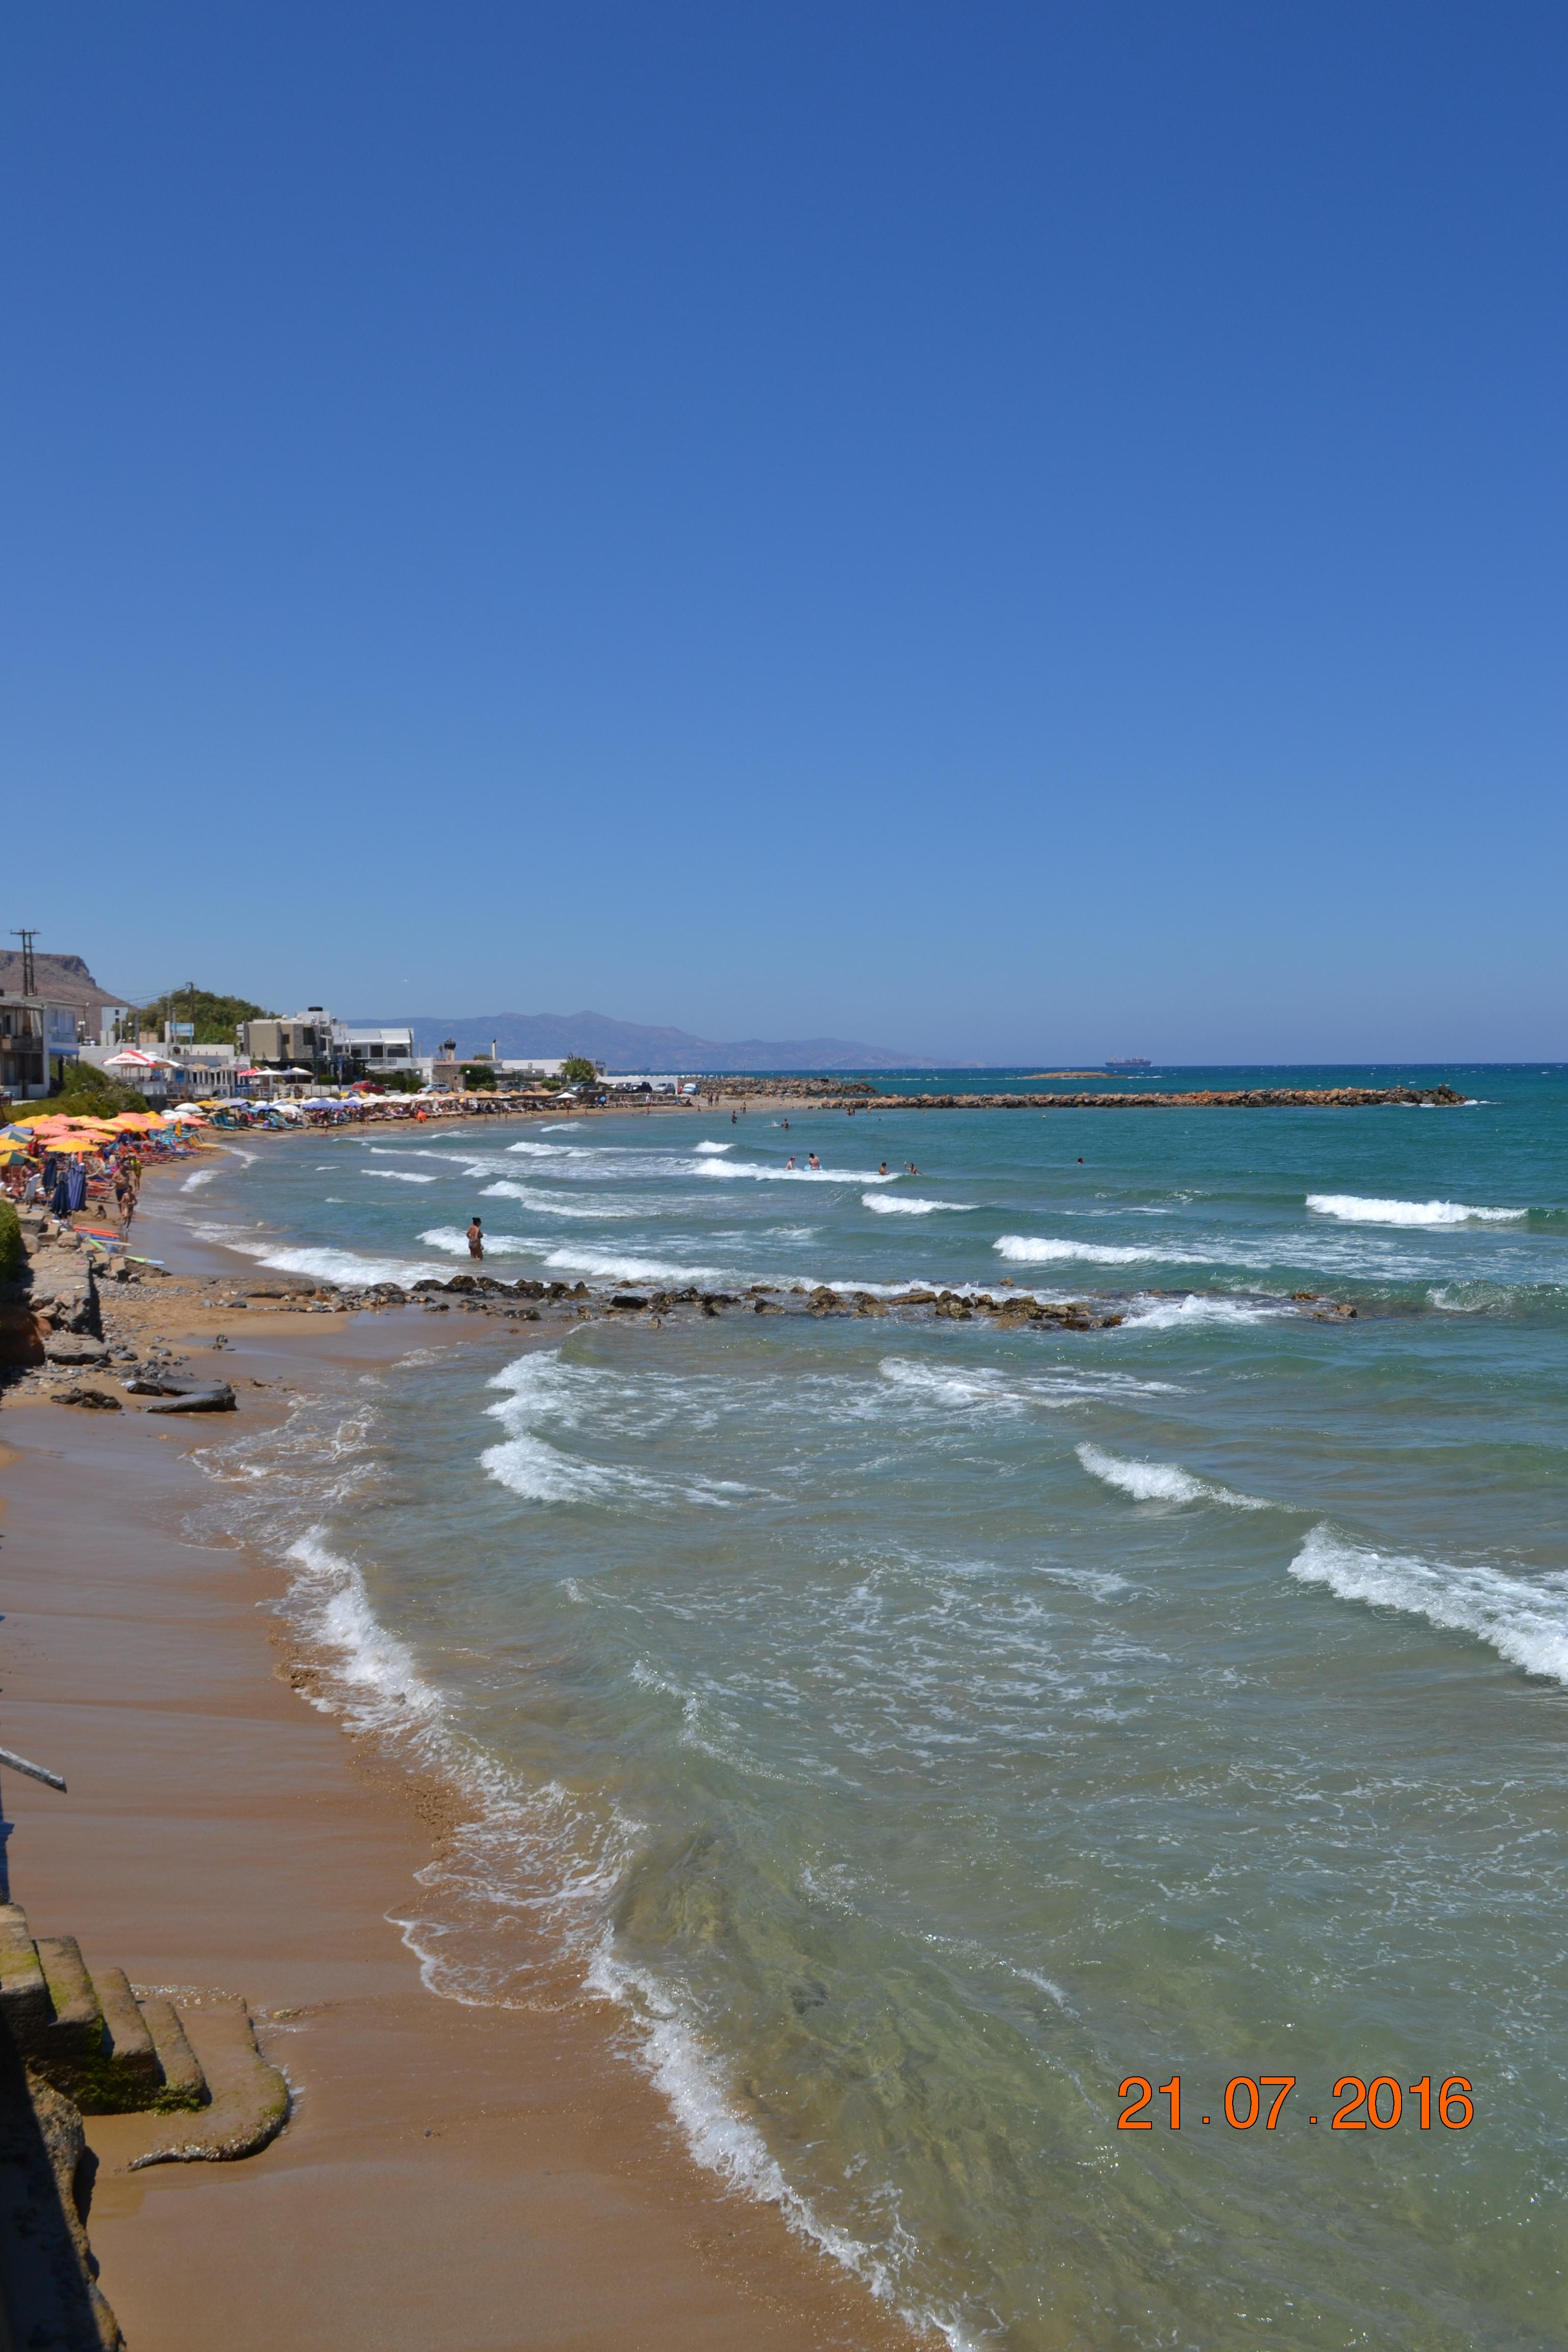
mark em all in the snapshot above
pixel 1008 531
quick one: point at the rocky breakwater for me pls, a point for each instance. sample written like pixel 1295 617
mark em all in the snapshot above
pixel 1244 1098
pixel 824 1093
pixel 48 1297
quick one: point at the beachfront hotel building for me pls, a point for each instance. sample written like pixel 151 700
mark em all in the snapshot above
pixel 37 1038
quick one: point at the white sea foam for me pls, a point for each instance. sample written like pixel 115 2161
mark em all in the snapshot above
pixel 1525 1623
pixel 715 1147
pixel 329 1602
pixel 455 1242
pixel 943 1384
pixel 743 1168
pixel 397 1176
pixel 981 1385
pixel 1352 1208
pixel 1146 1314
pixel 553 1205
pixel 906 1204
pixel 337 1266
pixel 551 1150
pixel 1023 1249
pixel 610 1268
pixel 539 1389
pixel 692 2079
pixel 534 1853
pixel 202 1176
pixel 1161 1482
pixel 325 1264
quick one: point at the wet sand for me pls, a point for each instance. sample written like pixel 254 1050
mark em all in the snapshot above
pixel 451 2176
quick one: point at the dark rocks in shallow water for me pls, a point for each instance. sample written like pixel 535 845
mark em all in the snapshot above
pixel 627 1300
pixel 220 1398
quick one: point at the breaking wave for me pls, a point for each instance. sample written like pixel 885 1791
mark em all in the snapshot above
pixel 742 1168
pixel 554 1206
pixel 325 1264
pixel 399 1176
pixel 329 1604
pixel 455 1243
pixel 1161 1482
pixel 1527 1624
pixel 679 2058
pixel 905 1204
pixel 1352 1208
pixel 1149 1313
pixel 980 1385
pixel 539 1388
pixel 1023 1249
pixel 627 1269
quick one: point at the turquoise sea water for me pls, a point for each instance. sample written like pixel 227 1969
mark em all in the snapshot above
pixel 920 1727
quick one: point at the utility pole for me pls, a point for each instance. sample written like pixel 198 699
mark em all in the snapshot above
pixel 29 973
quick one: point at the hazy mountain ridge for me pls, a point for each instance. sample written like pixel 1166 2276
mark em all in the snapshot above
pixel 633 1045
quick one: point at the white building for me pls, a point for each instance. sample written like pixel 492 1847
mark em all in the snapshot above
pixel 372 1053
pixel 38 1037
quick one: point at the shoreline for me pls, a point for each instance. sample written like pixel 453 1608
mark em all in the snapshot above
pixel 454 2174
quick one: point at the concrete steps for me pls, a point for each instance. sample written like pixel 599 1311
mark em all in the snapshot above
pixel 187 2066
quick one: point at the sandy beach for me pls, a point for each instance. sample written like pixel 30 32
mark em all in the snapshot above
pixel 454 2175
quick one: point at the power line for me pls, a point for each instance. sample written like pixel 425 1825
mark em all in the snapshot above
pixel 29 975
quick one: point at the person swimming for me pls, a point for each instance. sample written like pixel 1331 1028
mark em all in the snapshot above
pixel 789 1163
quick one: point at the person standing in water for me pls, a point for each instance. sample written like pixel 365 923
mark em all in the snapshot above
pixel 812 1161
pixel 474 1238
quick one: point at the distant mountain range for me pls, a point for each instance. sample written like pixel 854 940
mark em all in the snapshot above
pixel 629 1046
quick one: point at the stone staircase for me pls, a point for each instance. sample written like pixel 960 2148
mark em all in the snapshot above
pixel 187 2064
